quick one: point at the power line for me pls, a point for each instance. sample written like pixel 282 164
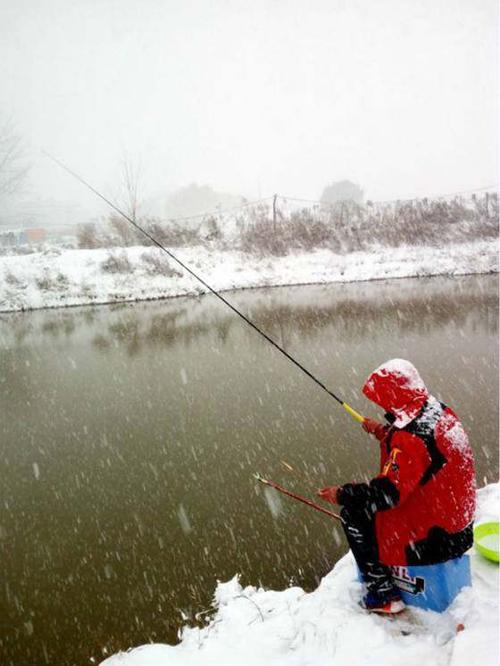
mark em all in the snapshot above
pixel 313 201
pixel 439 196
pixel 219 211
pixel 381 201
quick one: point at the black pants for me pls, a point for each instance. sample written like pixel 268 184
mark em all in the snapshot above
pixel 359 528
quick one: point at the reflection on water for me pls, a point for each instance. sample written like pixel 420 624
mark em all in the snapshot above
pixel 353 307
pixel 130 434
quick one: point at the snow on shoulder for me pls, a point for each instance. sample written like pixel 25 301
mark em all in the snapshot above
pixel 256 627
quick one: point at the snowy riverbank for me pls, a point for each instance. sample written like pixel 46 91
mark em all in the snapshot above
pixel 58 278
pixel 255 627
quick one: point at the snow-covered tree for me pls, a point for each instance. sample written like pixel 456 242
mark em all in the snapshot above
pixel 195 199
pixel 342 190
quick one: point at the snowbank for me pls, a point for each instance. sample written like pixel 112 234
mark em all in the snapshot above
pixel 58 278
pixel 255 627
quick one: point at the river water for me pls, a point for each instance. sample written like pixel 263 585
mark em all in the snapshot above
pixel 130 435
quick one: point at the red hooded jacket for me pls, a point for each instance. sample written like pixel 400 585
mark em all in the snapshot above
pixel 424 496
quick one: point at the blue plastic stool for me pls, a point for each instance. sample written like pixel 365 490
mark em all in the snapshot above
pixel 433 586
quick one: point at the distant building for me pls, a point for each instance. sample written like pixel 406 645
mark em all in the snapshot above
pixel 21 237
pixel 35 235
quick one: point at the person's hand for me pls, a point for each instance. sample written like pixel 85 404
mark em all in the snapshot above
pixel 374 428
pixel 370 425
pixel 329 494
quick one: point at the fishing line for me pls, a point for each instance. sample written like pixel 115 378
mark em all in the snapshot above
pixel 347 407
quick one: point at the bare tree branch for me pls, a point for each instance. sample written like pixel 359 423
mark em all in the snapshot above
pixel 131 177
pixel 13 165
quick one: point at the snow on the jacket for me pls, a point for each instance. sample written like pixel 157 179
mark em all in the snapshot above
pixel 256 627
pixel 405 371
pixel 433 413
pixel 455 433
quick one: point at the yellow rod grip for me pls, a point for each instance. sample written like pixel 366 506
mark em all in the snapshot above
pixel 353 412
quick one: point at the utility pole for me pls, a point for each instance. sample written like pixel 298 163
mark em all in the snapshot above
pixel 274 212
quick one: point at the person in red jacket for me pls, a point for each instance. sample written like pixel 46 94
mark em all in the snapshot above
pixel 420 507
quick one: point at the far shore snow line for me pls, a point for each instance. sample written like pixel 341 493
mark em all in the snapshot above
pixel 85 277
pixel 228 290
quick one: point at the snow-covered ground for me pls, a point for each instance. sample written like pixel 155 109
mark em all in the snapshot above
pixel 56 278
pixel 256 627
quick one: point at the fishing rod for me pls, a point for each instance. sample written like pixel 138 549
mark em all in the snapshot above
pixel 299 498
pixel 358 417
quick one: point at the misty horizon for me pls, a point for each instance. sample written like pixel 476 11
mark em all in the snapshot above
pixel 398 97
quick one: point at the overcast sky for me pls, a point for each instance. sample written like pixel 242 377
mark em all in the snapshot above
pixel 255 96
